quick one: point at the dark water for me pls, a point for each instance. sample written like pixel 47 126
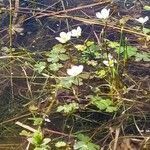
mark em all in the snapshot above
pixel 39 33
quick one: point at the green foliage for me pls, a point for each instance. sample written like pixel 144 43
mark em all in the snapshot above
pixel 56 56
pixel 39 141
pixel 25 133
pixel 40 66
pixel 58 53
pixel 147 7
pixel 146 30
pixel 84 143
pixel 104 104
pixel 60 144
pixel 89 51
pixel 36 121
pixel 68 108
pixel 37 138
pixel 67 82
pixel 113 44
pixel 55 66
pixel 131 50
pixel 101 73
pixel 142 56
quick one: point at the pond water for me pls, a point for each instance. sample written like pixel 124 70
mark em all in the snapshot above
pixel 39 23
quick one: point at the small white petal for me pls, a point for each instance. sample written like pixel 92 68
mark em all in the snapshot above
pixel 105 62
pixel 98 15
pixel 110 56
pixel 75 70
pixel 142 20
pixel 104 14
pixel 47 120
pixel 146 18
pixel 76 32
pixel 64 37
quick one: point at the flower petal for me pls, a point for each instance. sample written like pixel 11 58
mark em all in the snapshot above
pixel 75 70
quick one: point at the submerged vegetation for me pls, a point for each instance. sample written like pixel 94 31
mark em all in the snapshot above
pixel 75 75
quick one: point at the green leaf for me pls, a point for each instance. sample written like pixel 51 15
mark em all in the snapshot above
pixel 89 43
pixel 101 73
pixel 84 138
pixel 40 66
pixel 85 143
pixel 77 81
pixel 120 49
pixel 80 47
pixel 37 138
pixel 112 44
pixel 146 7
pixel 68 108
pixel 66 82
pixel 53 58
pixel 25 133
pixel 142 56
pixel 60 144
pixel 92 146
pixel 59 48
pixel 146 30
pixel 63 57
pixel 46 141
pixel 80 145
pixel 111 109
pixel 36 121
pixel 55 66
pixel 103 104
pixel 131 50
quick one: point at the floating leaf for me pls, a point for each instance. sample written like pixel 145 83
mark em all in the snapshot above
pixel 104 104
pixel 46 141
pixel 85 143
pixel 55 66
pixel 59 48
pixel 40 66
pixel 25 133
pixel 146 7
pixel 53 58
pixel 68 108
pixel 80 47
pixel 142 56
pixel 146 30
pixel 60 144
pixel 112 44
pixel 131 50
pixel 63 57
pixel 89 43
pixel 66 82
pixel 101 73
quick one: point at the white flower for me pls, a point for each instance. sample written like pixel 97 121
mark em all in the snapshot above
pixel 76 32
pixel 75 70
pixel 110 57
pixel 47 120
pixel 104 14
pixel 142 20
pixel 106 62
pixel 110 62
pixel 64 37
